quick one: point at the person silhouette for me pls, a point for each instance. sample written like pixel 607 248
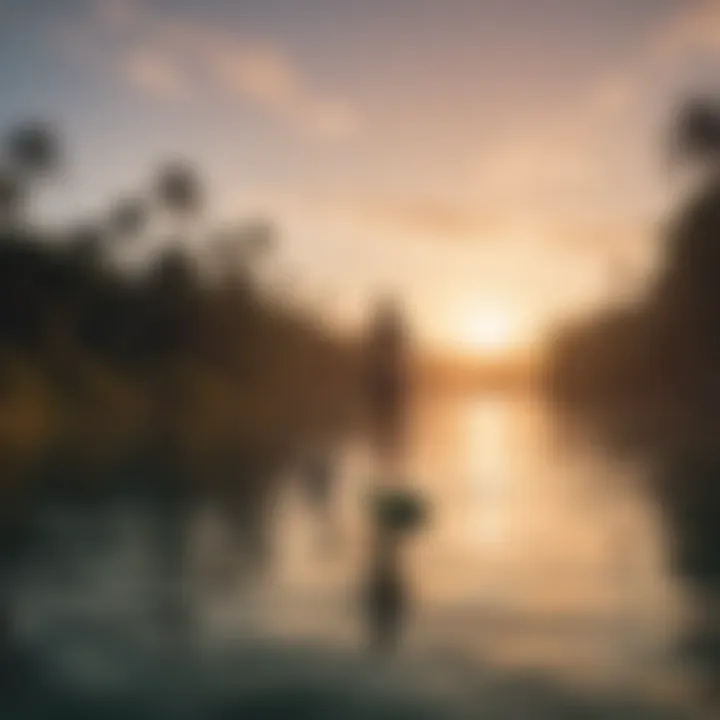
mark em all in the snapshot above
pixel 386 600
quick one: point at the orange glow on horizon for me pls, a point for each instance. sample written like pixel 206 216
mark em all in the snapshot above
pixel 491 333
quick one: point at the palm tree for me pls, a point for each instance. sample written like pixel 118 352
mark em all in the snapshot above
pixel 697 134
pixel 9 198
pixel 179 189
pixel 687 297
pixel 128 218
pixel 85 243
pixel 173 272
pixel 387 389
pixel 33 150
pixel 180 193
pixel 239 249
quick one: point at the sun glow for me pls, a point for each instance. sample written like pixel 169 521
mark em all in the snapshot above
pixel 490 333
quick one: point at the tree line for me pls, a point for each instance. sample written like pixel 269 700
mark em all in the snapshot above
pixel 178 373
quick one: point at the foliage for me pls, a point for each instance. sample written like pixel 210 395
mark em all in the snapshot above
pixel 656 362
pixel 105 368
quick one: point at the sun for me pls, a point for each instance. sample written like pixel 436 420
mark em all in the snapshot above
pixel 491 333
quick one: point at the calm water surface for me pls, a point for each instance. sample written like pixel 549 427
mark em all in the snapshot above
pixel 541 549
pixel 543 552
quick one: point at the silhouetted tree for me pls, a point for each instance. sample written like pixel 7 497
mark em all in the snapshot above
pixel 660 359
pixel 31 152
pixel 33 149
pixel 179 189
pixel 85 243
pixel 387 380
pixel 149 384
pixel 10 194
pixel 697 133
pixel 128 218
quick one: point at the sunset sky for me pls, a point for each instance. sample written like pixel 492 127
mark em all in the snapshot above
pixel 498 163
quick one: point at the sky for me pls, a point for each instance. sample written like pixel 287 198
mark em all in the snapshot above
pixel 500 165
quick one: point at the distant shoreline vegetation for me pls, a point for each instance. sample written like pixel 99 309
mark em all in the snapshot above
pixel 646 376
pixel 181 374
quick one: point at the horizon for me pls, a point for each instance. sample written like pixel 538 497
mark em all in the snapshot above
pixel 509 178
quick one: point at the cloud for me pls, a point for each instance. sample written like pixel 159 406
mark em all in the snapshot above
pixel 694 28
pixel 434 218
pixel 667 57
pixel 152 73
pixel 119 15
pixel 173 58
pixel 599 155
pixel 264 75
pixel 395 215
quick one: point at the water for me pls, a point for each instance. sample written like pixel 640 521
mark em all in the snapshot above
pixel 543 552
